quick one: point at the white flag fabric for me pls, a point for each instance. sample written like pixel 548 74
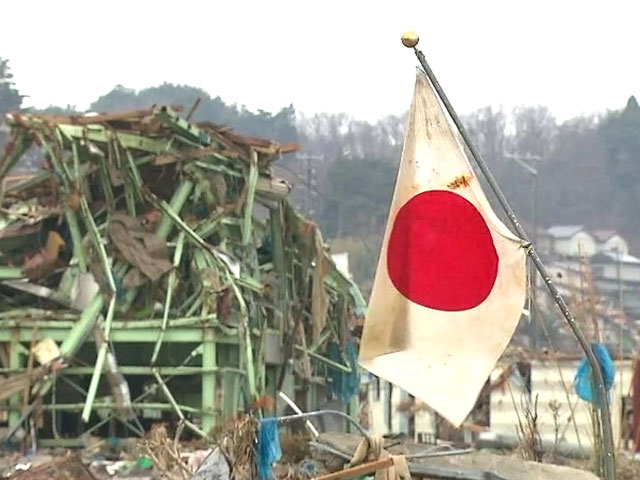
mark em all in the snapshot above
pixel 451 281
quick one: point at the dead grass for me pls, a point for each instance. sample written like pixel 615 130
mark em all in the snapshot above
pixel 237 440
pixel 530 442
pixel 295 448
pixel 165 452
pixel 627 468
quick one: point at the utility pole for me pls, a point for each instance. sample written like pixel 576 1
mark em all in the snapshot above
pixel 310 181
pixel 618 253
pixel 523 161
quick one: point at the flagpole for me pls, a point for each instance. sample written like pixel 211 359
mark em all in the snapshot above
pixel 410 40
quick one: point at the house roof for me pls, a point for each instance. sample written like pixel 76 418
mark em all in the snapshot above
pixel 605 257
pixel 564 231
pixel 604 235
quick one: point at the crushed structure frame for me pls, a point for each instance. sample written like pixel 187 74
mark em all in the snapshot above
pixel 257 306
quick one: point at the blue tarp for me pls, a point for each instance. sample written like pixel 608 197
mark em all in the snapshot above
pixel 583 383
pixel 268 450
pixel 344 385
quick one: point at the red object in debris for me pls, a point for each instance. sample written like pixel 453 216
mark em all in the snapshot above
pixel 265 402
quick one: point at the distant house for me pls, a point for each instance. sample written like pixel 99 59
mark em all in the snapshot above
pixel 617 276
pixel 613 278
pixel 566 275
pixel 608 265
pixel 610 241
pixel 570 241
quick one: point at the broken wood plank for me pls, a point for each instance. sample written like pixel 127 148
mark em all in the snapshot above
pixel 358 470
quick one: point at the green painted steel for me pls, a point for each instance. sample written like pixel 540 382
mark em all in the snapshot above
pixel 125 335
pixel 10 273
pixel 209 380
pixel 234 276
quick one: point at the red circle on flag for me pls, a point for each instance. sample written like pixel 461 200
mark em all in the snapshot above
pixel 440 252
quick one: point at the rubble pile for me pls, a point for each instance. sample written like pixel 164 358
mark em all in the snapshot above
pixel 175 250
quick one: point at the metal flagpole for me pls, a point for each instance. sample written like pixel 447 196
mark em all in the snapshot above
pixel 410 40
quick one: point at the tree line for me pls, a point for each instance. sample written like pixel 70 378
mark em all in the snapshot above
pixel 587 167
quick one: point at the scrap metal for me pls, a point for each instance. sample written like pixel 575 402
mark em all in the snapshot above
pixel 176 250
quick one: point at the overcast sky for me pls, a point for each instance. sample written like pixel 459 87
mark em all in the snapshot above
pixel 575 57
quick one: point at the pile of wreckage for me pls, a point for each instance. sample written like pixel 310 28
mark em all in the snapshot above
pixel 174 249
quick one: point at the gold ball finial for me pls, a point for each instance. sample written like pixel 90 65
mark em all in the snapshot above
pixel 410 39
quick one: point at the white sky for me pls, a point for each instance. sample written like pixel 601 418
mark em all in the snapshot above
pixel 323 55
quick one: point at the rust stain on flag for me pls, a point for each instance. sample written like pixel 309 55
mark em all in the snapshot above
pixel 459 182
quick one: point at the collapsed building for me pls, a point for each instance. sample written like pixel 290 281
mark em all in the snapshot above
pixel 154 269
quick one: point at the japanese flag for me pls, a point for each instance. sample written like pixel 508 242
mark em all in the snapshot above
pixel 451 283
